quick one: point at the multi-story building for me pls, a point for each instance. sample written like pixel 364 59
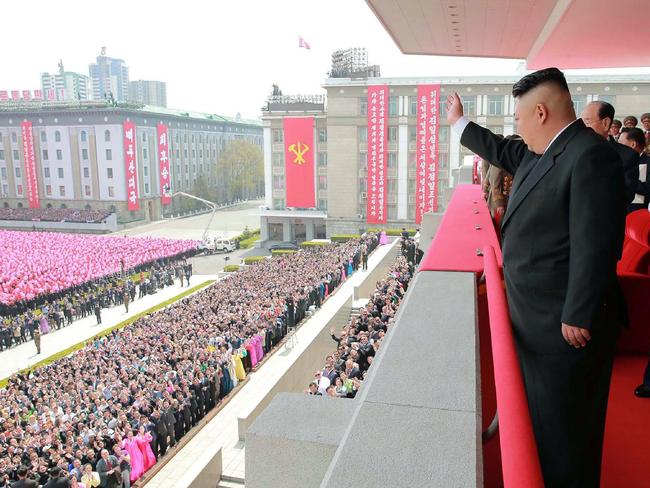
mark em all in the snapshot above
pixel 66 86
pixel 148 92
pixel 341 135
pixel 109 76
pixel 80 158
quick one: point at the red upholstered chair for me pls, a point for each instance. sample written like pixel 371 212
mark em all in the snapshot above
pixel 634 275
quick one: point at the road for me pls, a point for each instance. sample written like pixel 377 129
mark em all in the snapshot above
pixel 228 222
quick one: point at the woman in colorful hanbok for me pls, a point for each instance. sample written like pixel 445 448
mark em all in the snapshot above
pixel 143 440
pixel 130 444
pixel 43 324
pixel 383 238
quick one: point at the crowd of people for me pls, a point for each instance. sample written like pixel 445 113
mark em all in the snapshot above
pixel 358 342
pixel 129 396
pixel 53 312
pixel 54 214
pixel 37 264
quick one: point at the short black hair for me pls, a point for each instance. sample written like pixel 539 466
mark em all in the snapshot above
pixel 634 134
pixel 645 116
pixel 22 471
pixel 605 110
pixel 631 118
pixel 541 77
pixel 617 123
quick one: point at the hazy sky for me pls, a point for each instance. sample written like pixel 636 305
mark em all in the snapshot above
pixel 216 56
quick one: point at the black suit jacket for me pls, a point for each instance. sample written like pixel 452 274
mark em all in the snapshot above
pixel 562 233
pixel 630 159
pixel 24 484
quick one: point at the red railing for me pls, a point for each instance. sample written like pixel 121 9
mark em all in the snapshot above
pixel 519 459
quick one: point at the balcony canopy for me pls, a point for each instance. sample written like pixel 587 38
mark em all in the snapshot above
pixel 562 33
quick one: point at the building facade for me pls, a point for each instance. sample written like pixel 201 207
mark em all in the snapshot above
pixel 109 76
pixel 342 148
pixel 67 86
pixel 148 92
pixel 80 158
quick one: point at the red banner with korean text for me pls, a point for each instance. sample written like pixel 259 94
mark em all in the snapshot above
pixel 299 162
pixel 131 166
pixel 376 207
pixel 30 165
pixel 163 165
pixel 427 151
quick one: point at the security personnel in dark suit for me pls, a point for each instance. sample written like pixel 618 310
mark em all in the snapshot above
pixel 562 236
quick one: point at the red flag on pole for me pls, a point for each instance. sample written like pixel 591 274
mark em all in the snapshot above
pixel 303 43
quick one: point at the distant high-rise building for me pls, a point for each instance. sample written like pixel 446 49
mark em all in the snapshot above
pixel 352 63
pixel 149 92
pixel 109 76
pixel 67 85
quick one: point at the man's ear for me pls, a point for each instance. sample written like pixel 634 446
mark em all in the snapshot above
pixel 541 112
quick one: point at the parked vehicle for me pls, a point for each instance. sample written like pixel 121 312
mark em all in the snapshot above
pixel 217 244
pixel 284 246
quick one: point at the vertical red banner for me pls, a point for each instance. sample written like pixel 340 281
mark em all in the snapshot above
pixel 376 208
pixel 427 150
pixel 163 165
pixel 131 167
pixel 30 164
pixel 299 162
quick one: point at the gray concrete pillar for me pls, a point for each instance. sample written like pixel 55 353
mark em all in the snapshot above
pixel 286 230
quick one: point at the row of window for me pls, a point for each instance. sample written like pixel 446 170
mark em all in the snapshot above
pixel 278 135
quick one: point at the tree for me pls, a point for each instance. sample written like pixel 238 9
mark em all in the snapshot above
pixel 240 171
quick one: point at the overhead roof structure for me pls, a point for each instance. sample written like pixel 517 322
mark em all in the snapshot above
pixel 562 33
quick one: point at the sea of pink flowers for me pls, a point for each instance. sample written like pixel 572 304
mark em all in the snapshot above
pixel 36 263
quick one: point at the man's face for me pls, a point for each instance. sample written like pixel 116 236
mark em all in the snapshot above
pixel 646 123
pixel 629 123
pixel 624 139
pixel 614 130
pixel 592 120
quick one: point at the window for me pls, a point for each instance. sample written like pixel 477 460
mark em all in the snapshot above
pixel 19 190
pixel 200 153
pixel 392 134
pixel 84 154
pixel 392 212
pixel 5 191
pixel 363 106
pixel 363 185
pixel 392 186
pixel 469 105
pixel 86 172
pixel 145 154
pixel 146 188
pixel 411 186
pixel 46 172
pixel 322 135
pixel 59 155
pixel 322 182
pixel 603 98
pixel 495 104
pixel 413 105
pixel 392 106
pixel 322 159
pixel 17 170
pixel 107 135
pixel 111 191
pixel 278 137
pixel 46 156
pixel 443 134
pixel 278 203
pixel 57 136
pixel 109 173
pixel 83 136
pixel 278 182
pixel 185 153
pixel 322 204
pixel 192 137
pixel 48 190
pixel 14 139
pixel 363 134
pixel 278 159
pixel 3 173
pixel 144 137
pixel 145 170
pixel 60 172
pixel 62 190
pixel 2 154
pixel 16 155
pixel 193 153
pixel 109 155
pixel 413 133
pixel 87 190
pixel 43 136
pixel 392 159
pixel 579 102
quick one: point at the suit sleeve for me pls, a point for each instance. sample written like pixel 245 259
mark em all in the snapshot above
pixel 597 223
pixel 503 153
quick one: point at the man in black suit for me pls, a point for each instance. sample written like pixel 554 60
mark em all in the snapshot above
pixel 635 140
pixel 562 236
pixel 23 481
pixel 58 479
pixel 598 116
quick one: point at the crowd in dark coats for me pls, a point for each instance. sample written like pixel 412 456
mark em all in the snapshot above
pixel 160 375
pixel 54 214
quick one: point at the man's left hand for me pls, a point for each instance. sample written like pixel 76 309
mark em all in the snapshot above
pixel 575 336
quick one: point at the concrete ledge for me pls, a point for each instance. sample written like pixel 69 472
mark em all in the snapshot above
pixel 293 441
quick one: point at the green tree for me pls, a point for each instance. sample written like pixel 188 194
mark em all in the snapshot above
pixel 240 171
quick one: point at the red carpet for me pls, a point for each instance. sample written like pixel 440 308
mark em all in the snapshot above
pixel 626 453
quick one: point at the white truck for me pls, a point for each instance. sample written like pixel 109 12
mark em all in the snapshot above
pixel 217 244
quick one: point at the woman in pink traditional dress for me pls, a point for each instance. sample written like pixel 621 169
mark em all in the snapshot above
pixel 143 439
pixel 383 238
pixel 258 347
pixel 137 460
pixel 43 324
pixel 252 352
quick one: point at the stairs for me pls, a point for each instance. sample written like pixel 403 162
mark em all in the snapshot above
pixel 231 482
